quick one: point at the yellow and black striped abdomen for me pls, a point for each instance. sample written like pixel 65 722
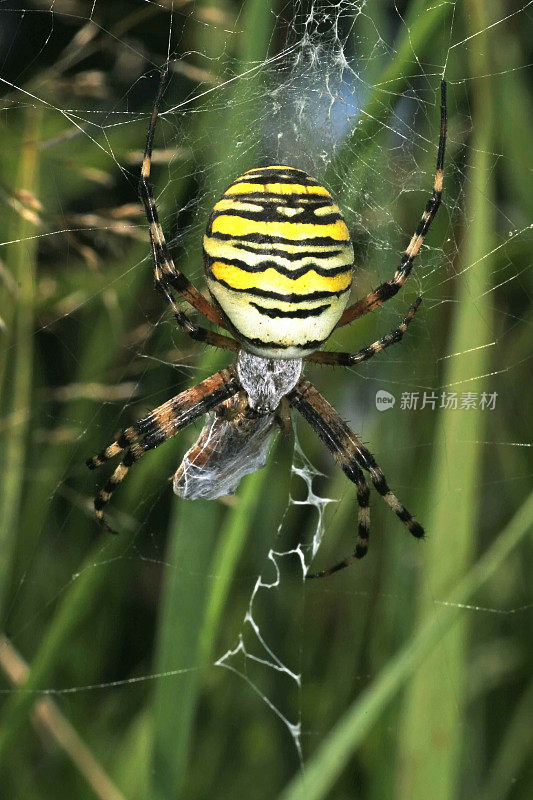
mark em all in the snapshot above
pixel 278 260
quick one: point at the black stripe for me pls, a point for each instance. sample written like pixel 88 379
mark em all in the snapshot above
pixel 363 493
pixel 290 200
pixel 350 468
pixel 160 252
pixel 361 548
pixel 145 424
pixel 326 432
pixel 147 199
pixel 379 481
pixel 292 274
pixel 264 239
pixel 259 343
pixel 128 459
pixel 273 251
pixel 287 298
pixel 297 313
pixel 98 460
pixel 154 439
pixel 421 227
pixel 268 213
pixel 122 440
pixel 283 176
pixel 388 290
pixel 178 281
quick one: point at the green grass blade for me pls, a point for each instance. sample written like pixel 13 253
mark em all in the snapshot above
pixel 188 621
pixel 18 349
pixel 53 461
pixel 332 756
pixel 514 752
pixel 131 763
pixel 231 542
pixel 56 727
pixel 193 533
pixel 77 604
pixel 432 727
pixel 194 601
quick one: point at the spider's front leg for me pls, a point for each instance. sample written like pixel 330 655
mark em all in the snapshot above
pixel 159 425
pixel 363 524
pixel 167 276
pixel 391 287
pixel 350 454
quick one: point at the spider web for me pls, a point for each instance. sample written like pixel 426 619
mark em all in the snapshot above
pixel 320 96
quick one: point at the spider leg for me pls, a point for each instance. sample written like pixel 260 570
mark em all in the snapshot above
pixel 347 449
pixel 283 416
pixel 128 436
pixel 196 332
pixel 167 276
pixel 161 424
pixel 363 526
pixel 349 359
pixel 390 288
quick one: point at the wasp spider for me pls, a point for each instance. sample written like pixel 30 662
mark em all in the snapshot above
pixel 279 266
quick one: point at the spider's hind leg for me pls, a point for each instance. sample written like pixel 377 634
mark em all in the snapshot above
pixel 351 455
pixel 363 527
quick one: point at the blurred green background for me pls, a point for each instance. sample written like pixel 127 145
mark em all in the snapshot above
pixel 407 675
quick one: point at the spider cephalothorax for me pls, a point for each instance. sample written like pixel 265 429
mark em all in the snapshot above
pixel 279 267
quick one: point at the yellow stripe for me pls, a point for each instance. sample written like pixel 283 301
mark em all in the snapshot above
pixel 276 188
pixel 272 281
pixel 238 226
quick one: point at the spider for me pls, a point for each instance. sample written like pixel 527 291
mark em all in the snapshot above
pixel 279 265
